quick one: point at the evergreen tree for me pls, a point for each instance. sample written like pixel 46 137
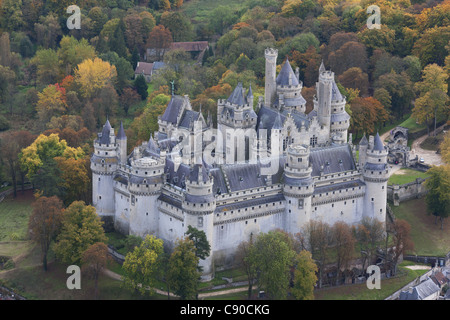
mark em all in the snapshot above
pixel 141 86
pixel 117 42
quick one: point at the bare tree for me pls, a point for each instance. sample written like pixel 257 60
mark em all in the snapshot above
pixel 344 245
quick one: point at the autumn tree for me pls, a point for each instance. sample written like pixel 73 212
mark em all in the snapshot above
pixel 43 149
pixel 366 113
pixel 344 244
pixel 45 223
pixel 75 178
pixel 369 234
pixel 433 99
pixel 400 88
pixel 355 78
pixel 72 52
pixel 179 25
pixel 81 228
pixel 182 274
pixel 159 39
pixel 52 102
pixel 402 240
pixel 304 276
pixel 94 260
pixel 317 235
pixel 47 67
pixel 141 266
pixel 94 75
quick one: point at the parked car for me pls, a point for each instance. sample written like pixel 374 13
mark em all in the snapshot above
pixel 421 160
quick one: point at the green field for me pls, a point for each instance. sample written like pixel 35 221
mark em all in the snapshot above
pixel 411 124
pixel 427 236
pixel 14 215
pixel 404 175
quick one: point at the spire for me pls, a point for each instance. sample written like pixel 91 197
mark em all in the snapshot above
pixel 250 92
pixel 278 124
pixel 364 141
pixel 104 139
pixel 378 144
pixel 121 134
pixel 322 68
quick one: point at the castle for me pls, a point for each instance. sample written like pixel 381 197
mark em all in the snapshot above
pixel 276 168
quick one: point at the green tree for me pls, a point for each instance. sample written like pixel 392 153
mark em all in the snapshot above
pixel 182 274
pixel 438 196
pixel 202 247
pixel 81 228
pixel 95 259
pixel 304 276
pixel 273 258
pixel 142 265
pixel 141 86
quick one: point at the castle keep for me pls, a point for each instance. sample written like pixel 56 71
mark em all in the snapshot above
pixel 273 168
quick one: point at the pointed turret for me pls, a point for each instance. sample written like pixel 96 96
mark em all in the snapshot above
pixel 237 96
pixel 322 68
pixel 378 144
pixel 121 134
pixel 287 77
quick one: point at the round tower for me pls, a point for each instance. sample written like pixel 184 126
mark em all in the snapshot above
pixel 104 163
pixel 199 204
pixel 271 71
pixel 375 172
pixel 145 183
pixel 298 187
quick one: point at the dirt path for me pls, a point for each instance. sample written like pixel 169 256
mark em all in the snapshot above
pixel 118 277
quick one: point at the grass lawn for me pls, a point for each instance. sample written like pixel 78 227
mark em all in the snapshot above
pixel 405 175
pixel 411 124
pixel 427 236
pixel 361 292
pixel 14 215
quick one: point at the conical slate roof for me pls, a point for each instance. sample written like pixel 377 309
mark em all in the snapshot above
pixel 278 124
pixel 104 139
pixel 363 141
pixel 250 92
pixel 237 96
pixel 285 74
pixel 121 134
pixel 378 144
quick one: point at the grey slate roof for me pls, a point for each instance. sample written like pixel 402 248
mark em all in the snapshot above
pixel 121 134
pixel 377 143
pixel 421 291
pixel 237 96
pixel 188 117
pixel 364 141
pixel 251 203
pixel 104 139
pixel 173 109
pixel 334 159
pixel 286 73
pixel 267 117
pixel 336 117
pixel 243 176
pixel 339 186
pixel 335 93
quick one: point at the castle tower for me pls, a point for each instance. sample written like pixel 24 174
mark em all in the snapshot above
pixel 322 101
pixel 376 174
pixel 362 147
pixel 199 205
pixel 121 139
pixel 236 122
pixel 271 70
pixel 289 88
pixel 298 187
pixel 104 163
pixel 146 177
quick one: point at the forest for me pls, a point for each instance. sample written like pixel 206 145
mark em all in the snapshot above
pixel 59 85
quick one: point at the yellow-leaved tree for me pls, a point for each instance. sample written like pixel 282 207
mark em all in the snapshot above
pixel 94 75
